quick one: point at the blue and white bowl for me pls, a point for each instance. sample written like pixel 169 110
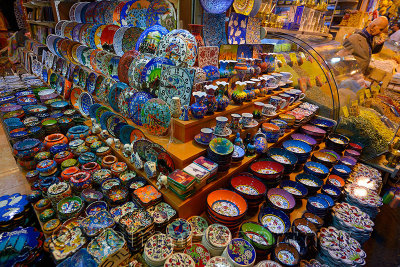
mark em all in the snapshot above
pixel 316 169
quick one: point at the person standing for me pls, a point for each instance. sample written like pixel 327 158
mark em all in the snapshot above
pixel 363 43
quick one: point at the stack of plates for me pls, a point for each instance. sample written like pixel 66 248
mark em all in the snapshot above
pixel 365 199
pixel 240 252
pixel 216 238
pixel 226 207
pixel 337 248
pixel 136 227
pixel 315 132
pixel 147 196
pixel 162 214
pixel 181 183
pixel 199 254
pixel 157 249
pixel 179 259
pixel 199 226
pixel 180 231
pixel 352 220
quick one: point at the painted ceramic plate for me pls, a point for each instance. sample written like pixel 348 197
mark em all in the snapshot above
pixel 113 94
pixel 85 101
pixel 156 116
pixel 139 99
pixel 75 94
pixel 140 147
pixel 150 38
pixel 165 163
pixel 112 122
pixel 100 112
pixel 161 12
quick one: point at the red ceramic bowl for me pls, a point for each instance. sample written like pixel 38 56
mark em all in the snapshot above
pixel 267 169
pixel 336 181
pixel 356 146
pixel 248 187
pixel 69 172
pixel 226 205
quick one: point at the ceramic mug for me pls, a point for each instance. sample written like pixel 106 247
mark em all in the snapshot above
pixel 235 122
pixel 269 109
pixel 296 93
pixel 258 108
pixel 220 127
pixel 289 99
pixel 246 118
pixel 271 81
pixel 278 77
pixel 286 76
pixel 278 102
pixel 206 135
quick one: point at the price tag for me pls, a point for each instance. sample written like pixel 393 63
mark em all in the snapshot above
pixel 345 111
pixel 293 58
pixel 281 58
pixel 354 103
pixel 368 93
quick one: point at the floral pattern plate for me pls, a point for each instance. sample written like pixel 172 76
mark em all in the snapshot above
pixel 94 224
pixel 156 116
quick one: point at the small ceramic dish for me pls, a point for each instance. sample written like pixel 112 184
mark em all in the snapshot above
pixel 324 124
pixel 316 169
pixel 316 220
pixel 276 221
pixel 322 157
pixel 336 181
pixel 281 199
pixel 238 154
pixel 337 142
pixel 348 161
pixel 304 227
pixel 257 235
pixel 297 147
pixel 95 207
pixel 248 187
pixel 304 138
pixel 297 189
pixel 312 183
pixel 317 205
pixel 341 170
pixel 327 198
pixel 221 146
pixel 267 169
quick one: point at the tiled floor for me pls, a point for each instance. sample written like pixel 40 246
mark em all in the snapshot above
pixel 383 249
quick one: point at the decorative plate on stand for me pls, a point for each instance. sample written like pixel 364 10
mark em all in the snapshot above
pixel 162 12
pixel 100 112
pixel 112 122
pixel 104 88
pixel 123 100
pixel 152 152
pixel 140 147
pixel 150 38
pixel 136 14
pixel 75 94
pixel 165 163
pixel 130 37
pixel 243 6
pixel 216 7
pixel 156 116
pixel 125 134
pixel 152 72
pixel 117 42
pixel 85 101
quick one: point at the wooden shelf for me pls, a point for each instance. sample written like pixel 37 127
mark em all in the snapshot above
pixel 37 4
pixel 49 24
pixel 277 30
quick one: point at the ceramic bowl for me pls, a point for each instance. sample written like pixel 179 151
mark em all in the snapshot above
pixel 341 170
pixel 221 146
pixel 323 123
pixel 248 187
pixel 316 220
pixel 336 181
pixel 95 207
pixel 317 205
pixel 299 148
pixel 257 235
pixel 328 199
pixel 305 138
pixel 315 132
pixel 337 142
pixel 331 190
pixel 238 154
pixel 331 152
pixel 282 156
pixel 90 195
pixel 356 146
pixel 286 254
pixel 276 221
pixel 297 240
pixel 312 183
pixel 267 169
pixel 352 153
pixel 316 169
pixel 281 199
pixel 226 204
pixel 324 158
pixel 348 161
pixel 297 189
pixel 304 227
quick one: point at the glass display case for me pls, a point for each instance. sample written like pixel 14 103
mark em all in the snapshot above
pixel 331 78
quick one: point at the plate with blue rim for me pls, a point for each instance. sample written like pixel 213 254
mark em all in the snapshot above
pixel 113 94
pixel 103 119
pixel 100 111
pixel 92 110
pixel 84 102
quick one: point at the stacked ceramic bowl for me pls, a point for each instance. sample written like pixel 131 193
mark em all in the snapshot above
pixel 324 123
pixel 352 220
pixel 324 158
pixel 69 207
pixel 199 226
pixel 215 238
pixel 298 190
pixel 318 206
pixel 286 254
pixel 305 138
pixel 332 191
pixel 240 252
pixel 301 149
pixel 226 207
pixel 258 236
pixel 249 187
pixel 315 132
pixel 284 157
pixel 337 142
pixel 341 170
pixel 270 172
pixel 281 199
pixel 276 221
pixel 220 151
pixel 157 249
pixel 180 231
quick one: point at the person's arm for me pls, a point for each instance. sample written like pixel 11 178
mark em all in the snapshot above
pixel 377 47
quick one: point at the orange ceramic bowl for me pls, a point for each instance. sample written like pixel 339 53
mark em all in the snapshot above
pixel 226 205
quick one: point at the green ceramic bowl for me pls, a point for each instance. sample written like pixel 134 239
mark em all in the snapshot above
pixel 257 235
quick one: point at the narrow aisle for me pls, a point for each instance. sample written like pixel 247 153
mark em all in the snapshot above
pixel 12 179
